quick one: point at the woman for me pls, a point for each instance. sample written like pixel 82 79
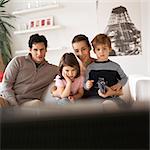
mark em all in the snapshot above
pixel 82 47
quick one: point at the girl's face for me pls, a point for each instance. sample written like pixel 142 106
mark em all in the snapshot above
pixel 71 72
pixel 81 49
pixel 102 52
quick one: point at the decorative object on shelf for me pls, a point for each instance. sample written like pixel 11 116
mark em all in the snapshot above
pixel 5 36
pixel 40 22
pixel 31 4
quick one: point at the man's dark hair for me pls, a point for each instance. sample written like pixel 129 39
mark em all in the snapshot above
pixel 36 38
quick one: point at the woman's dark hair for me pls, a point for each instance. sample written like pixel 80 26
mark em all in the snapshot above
pixel 81 37
pixel 69 59
pixel 36 38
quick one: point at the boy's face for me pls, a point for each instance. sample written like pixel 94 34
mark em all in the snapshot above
pixel 102 52
pixel 81 50
pixel 38 52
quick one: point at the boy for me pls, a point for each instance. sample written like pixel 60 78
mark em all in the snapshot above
pixel 104 78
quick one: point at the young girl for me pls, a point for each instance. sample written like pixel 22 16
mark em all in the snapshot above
pixel 69 84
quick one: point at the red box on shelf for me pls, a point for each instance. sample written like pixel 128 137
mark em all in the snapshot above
pixel 41 22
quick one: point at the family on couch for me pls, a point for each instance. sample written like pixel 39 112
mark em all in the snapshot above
pixel 27 77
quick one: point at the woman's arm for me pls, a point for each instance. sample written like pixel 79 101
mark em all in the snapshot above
pixel 110 92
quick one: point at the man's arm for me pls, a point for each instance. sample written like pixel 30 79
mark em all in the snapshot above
pixel 8 81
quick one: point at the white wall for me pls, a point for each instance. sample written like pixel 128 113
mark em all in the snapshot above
pixel 76 17
pixel 147 20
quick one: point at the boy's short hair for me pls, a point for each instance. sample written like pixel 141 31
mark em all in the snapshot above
pixel 36 38
pixel 101 39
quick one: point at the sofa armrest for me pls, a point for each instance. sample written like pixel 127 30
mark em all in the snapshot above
pixel 139 87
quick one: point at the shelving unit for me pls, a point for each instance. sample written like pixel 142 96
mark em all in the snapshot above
pixel 30 10
pixel 37 29
pixel 33 10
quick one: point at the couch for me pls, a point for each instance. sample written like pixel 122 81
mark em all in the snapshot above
pixel 86 125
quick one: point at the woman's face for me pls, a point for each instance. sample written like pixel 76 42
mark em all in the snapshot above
pixel 81 50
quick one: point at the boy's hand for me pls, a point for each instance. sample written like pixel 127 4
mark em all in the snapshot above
pixel 89 84
pixel 109 92
pixel 116 87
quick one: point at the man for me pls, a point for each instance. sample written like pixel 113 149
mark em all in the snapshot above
pixel 26 77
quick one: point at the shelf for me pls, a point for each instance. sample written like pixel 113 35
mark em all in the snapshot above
pixel 37 29
pixel 22 52
pixel 29 10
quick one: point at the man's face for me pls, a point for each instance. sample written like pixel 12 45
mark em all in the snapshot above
pixel 38 52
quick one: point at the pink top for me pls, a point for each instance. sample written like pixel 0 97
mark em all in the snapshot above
pixel 76 84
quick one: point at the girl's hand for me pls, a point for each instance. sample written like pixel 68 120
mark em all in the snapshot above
pixel 89 84
pixel 116 87
pixel 71 98
pixel 68 80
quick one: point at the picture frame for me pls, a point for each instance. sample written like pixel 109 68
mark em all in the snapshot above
pixel 121 21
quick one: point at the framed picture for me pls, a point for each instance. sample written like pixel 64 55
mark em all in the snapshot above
pixel 121 21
